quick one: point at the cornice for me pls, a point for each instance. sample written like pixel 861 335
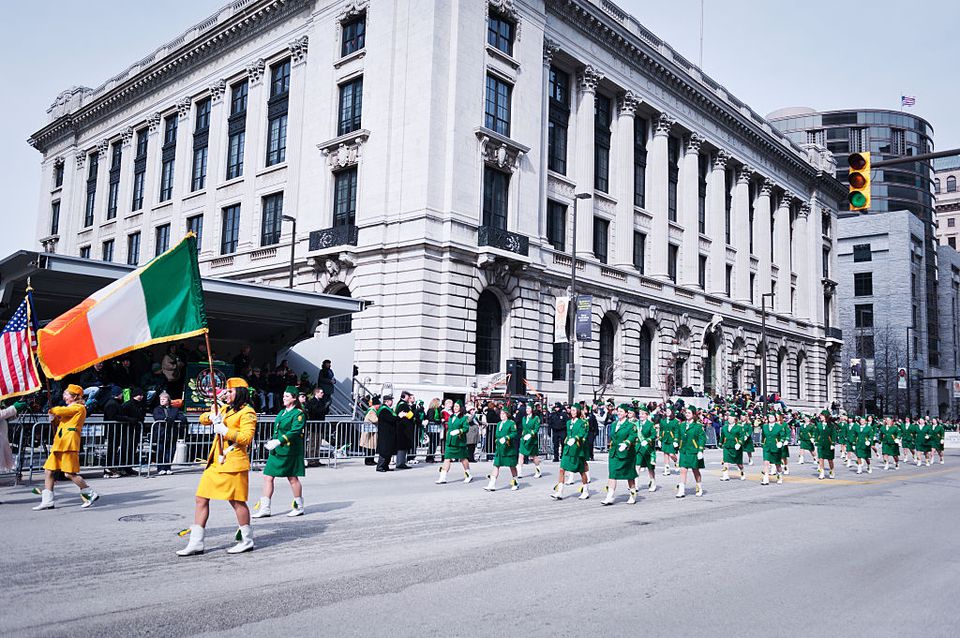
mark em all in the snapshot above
pixel 197 45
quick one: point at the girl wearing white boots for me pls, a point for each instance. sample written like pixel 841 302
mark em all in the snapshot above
pixel 574 457
pixel 227 475
pixel 622 462
pixel 455 444
pixel 530 443
pixel 646 444
pixel 286 455
pixel 65 453
pixel 506 453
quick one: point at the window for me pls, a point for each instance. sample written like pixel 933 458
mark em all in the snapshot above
pixel 826 263
pixel 639 250
pixel 867 346
pixel 753 287
pixel 646 356
pixel 272 219
pixel 277 140
pixel 730 184
pixel 673 252
pixel 639 162
pixel 601 237
pixel 351 103
pixel 497 113
pixel 195 226
pixel 280 79
pixel 556 225
pixel 495 186
pixel 169 153
pixel 936 185
pixel 951 222
pixel 703 166
pixel 113 192
pixel 235 154
pixel 752 196
pixel 93 165
pixel 863 284
pixel 162 244
pixel 199 169
pixel 139 170
pixel 236 129
pixel 861 252
pixel 238 98
pixel 607 341
pixel 201 136
pixel 558 120
pixel 561 352
pixel 85 252
pixel 58 175
pixel 344 323
pixel 166 180
pixel 202 116
pixel 952 242
pixel 230 232
pixel 673 165
pixel 500 32
pixel 133 249
pixel 106 250
pixel 601 143
pixel 702 272
pixel 951 184
pixel 728 281
pixel 345 198
pixel 55 217
pixel 353 35
pixel 277 113
pixel 170 130
pixel 489 321
pixel 863 315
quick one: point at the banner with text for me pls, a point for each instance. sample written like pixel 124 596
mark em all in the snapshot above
pixel 584 318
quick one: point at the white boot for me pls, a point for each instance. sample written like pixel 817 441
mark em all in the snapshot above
pixel 886 465
pixel 588 477
pixel 467 476
pixel 442 479
pixel 859 468
pixel 699 491
pixel 537 473
pixel 195 544
pixel 262 508
pixel 725 476
pixel 681 490
pixel 514 485
pixel 557 492
pixel 584 492
pixel 46 501
pixel 800 462
pixel 820 474
pixel 296 509
pixel 88 496
pixel 869 469
pixel 491 484
pixel 568 480
pixel 519 470
pixel 653 485
pixel 633 497
pixel 765 480
pixel 743 477
pixel 608 500
pixel 245 543
pixel 779 479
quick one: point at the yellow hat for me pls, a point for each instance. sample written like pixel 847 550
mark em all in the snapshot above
pixel 237 382
pixel 75 390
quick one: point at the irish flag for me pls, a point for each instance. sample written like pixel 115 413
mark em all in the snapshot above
pixel 163 301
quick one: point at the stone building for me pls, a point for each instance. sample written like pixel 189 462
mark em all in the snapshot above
pixel 432 153
pixel 946 172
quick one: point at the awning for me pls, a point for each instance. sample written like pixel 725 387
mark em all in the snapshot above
pixel 236 311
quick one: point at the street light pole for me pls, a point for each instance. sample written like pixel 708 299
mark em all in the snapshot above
pixel 763 347
pixel 572 304
pixel 909 369
pixel 293 245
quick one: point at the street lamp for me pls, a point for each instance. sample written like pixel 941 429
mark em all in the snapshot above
pixel 763 346
pixel 571 367
pixel 293 244
pixel 909 370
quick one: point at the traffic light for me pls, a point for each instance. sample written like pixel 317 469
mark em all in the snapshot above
pixel 859 180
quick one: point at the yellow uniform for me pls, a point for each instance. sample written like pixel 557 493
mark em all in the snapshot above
pixel 228 481
pixel 65 453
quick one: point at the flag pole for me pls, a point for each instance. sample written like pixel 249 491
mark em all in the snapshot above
pixel 33 353
pixel 213 383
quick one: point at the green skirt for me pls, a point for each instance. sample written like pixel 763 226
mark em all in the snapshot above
pixel 864 452
pixel 826 452
pixel 622 469
pixel 891 449
pixel 291 464
pixel 773 456
pixel 806 445
pixel 748 444
pixel 647 457
pixel 668 448
pixel 530 448
pixel 733 456
pixel 573 463
pixel 690 461
pixel 455 452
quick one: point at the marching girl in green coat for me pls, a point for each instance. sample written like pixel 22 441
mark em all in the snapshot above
pixel 646 444
pixel 924 445
pixel 909 440
pixel 863 444
pixel 748 448
pixel 785 450
pixel 286 455
pixel 826 435
pixel 574 455
pixel 506 453
pixel 530 442
pixel 622 461
pixel 455 444
pixel 774 435
pixel 692 443
pixel 890 443
pixel 732 437
pixel 807 437
pixel 852 428
pixel 939 433
pixel 669 440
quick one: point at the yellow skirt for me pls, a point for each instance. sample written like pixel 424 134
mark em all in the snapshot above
pixel 66 462
pixel 223 486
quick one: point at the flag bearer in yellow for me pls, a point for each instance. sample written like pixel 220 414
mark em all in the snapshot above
pixel 65 453
pixel 228 467
pixel 286 455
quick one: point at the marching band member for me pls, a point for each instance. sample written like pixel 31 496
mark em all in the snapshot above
pixel 908 440
pixel 785 450
pixel 863 445
pixel 286 455
pixel 806 436
pixel 622 460
pixel 774 433
pixel 937 437
pixel 890 443
pixel 530 442
pixel 65 453
pixel 455 444
pixel 748 446
pixel 574 457
pixel 924 443
pixel 669 439
pixel 646 444
pixel 226 477
pixel 692 443
pixel 505 453
pixel 732 437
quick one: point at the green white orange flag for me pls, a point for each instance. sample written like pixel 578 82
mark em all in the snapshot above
pixel 162 301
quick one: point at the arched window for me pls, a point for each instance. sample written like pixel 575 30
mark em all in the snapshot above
pixel 489 324
pixel 607 338
pixel 646 356
pixel 343 324
pixel 951 184
pixel 936 185
pixel 801 376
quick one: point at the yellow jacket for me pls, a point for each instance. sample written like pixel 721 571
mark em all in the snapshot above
pixel 70 419
pixel 241 427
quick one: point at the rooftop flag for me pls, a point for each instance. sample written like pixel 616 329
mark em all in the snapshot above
pixel 908 100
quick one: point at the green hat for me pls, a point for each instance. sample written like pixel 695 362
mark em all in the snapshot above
pixel 626 407
pixel 291 389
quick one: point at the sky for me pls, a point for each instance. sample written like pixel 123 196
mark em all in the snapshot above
pixel 769 53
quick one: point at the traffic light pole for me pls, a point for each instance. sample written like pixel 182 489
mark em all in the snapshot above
pixel 906 159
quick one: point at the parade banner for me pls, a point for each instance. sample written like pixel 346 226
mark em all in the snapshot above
pixel 956 388
pixel 197 389
pixel 856 369
pixel 902 380
pixel 561 309
pixel 160 302
pixel 584 318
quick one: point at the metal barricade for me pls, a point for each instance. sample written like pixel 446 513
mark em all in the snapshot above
pixel 17 430
pixel 107 445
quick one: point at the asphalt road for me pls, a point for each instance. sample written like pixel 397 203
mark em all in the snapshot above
pixel 393 554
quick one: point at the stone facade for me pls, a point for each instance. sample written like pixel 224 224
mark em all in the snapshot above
pixel 730 208
pixel 946 174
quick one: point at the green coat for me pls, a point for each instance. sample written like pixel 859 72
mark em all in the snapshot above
pixel 506 452
pixel 287 458
pixel 939 433
pixel 669 435
pixel 730 437
pixel 890 440
pixel 646 443
pixel 622 461
pixel 863 438
pixel 530 437
pixel 692 443
pixel 826 436
pixel 923 437
pixel 455 445
pixel 575 452
pixel 748 442
pixel 908 437
pixel 807 436
pixel 774 433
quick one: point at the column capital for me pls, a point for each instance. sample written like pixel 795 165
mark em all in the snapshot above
pixel 550 48
pixel 103 147
pixel 154 122
pixel 766 188
pixel 788 198
pixel 217 90
pixel 127 135
pixel 183 107
pixel 589 78
pixel 720 159
pixel 664 123
pixel 81 157
pixel 745 174
pixel 298 49
pixel 804 210
pixel 694 142
pixel 256 69
pixel 628 103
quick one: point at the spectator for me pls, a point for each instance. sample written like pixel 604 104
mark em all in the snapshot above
pixel 243 361
pixel 172 367
pixel 112 418
pixel 123 374
pixel 406 428
pixel 316 409
pixel 132 415
pixel 558 429
pixel 169 424
pixel 433 417
pixel 473 433
pixel 387 424
pixel 327 381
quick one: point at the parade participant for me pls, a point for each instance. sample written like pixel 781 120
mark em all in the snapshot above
pixel 227 474
pixel 852 428
pixel 908 438
pixel 455 444
pixel 785 450
pixel 748 446
pixel 840 425
pixel 505 452
pixel 387 424
pixel 732 437
pixel 774 434
pixel 806 436
pixel 574 457
pixel 924 444
pixel 937 436
pixel 622 460
pixel 863 445
pixel 286 455
pixel 433 420
pixel 9 413
pixel 890 443
pixel 65 452
pixel 669 439
pixel 826 434
pixel 530 442
pixel 692 443
pixel 646 444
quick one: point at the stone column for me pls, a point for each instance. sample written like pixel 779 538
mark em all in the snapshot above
pixel 740 234
pixel 804 258
pixel 549 49
pixel 216 166
pixel 588 80
pixel 254 156
pixel 151 180
pixel 623 148
pixel 657 186
pixel 125 194
pixel 688 212
pixel 716 224
pixel 781 252
pixel 761 239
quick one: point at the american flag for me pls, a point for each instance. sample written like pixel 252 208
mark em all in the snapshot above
pixel 18 372
pixel 908 100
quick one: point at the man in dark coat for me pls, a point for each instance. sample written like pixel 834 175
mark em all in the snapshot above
pixel 132 413
pixel 111 417
pixel 387 425
pixel 558 429
pixel 406 429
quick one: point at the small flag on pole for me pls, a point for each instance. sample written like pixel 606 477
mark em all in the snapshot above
pixel 908 100
pixel 18 372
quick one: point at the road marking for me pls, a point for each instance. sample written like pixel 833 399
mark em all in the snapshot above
pixel 840 481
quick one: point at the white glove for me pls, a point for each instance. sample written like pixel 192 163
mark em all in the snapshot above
pixel 571 441
pixel 219 428
pixel 503 439
pixel 779 444
pixel 927 436
pixel 898 441
pixel 831 447
pixel 526 437
pixel 736 447
pixel 424 422
pixel 699 455
pixel 622 447
pixel 454 432
pixel 216 419
pixel 644 442
pixel 271 444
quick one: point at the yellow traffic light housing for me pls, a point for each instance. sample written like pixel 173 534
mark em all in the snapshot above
pixel 859 179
